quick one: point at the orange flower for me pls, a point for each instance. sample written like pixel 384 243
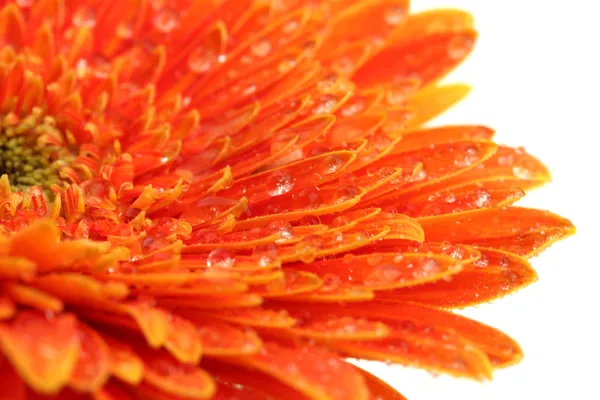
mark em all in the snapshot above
pixel 220 198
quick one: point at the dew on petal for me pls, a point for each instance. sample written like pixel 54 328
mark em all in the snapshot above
pixel 222 258
pixel 280 182
pixel 202 60
pixel 124 30
pixel 84 18
pixel 261 49
pixel 460 46
pixel 394 15
pixel 165 20
pixel 483 198
pixel 332 164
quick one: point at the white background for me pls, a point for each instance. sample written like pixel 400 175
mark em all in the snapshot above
pixel 535 80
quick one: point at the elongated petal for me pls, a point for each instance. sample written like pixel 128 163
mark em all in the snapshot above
pixel 494 275
pixel 304 370
pixel 509 228
pixel 25 342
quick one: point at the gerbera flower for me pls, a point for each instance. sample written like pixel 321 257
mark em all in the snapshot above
pixel 220 198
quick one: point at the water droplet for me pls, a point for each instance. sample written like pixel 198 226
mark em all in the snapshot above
pixel 251 88
pixel 428 267
pixel 394 15
pixel 374 259
pixel 343 65
pixel 381 142
pixel 482 262
pixel 382 275
pixel 511 276
pixel 326 104
pixel 84 18
pixel 460 46
pixel 348 258
pixel 357 236
pixel 346 192
pixel 125 30
pixel 328 83
pixel 522 173
pixel 24 3
pixel 385 172
pixel 165 20
pixel 201 60
pixel 353 108
pixel 307 248
pixel 280 182
pixel 290 26
pixel 467 157
pixel 284 229
pixel 314 241
pixel 261 48
pixel 399 258
pixel 433 197
pixel 483 198
pixel 451 198
pixel 310 198
pixel 332 164
pixel 286 64
pixel 222 258
pixel 266 254
pixel 330 283
pixel 340 220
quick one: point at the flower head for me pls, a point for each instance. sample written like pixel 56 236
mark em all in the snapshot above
pixel 220 198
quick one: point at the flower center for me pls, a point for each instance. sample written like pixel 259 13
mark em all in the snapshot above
pixel 27 155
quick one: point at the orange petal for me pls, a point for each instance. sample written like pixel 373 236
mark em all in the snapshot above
pixel 335 326
pixel 376 19
pixel 384 271
pixel 313 247
pixel 509 163
pixel 308 172
pixel 430 166
pixel 241 383
pixel 220 339
pixel 302 369
pixel 124 363
pixel 16 268
pixel 308 202
pixel 510 228
pixel 7 308
pixel 255 317
pixel 430 22
pixel 462 197
pixel 433 101
pixel 420 346
pixel 211 302
pixel 34 298
pixel 427 58
pixel 37 242
pixel 166 374
pixel 42 350
pixel 293 282
pixel 93 364
pixel 494 275
pixel 333 291
pixel 500 349
pixel 416 139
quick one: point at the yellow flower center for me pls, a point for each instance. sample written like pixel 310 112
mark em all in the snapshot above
pixel 27 155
